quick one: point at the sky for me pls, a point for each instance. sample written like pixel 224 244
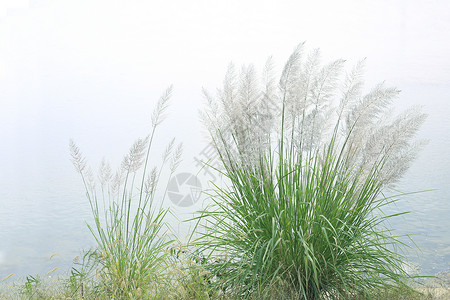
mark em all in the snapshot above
pixel 92 71
pixel 70 65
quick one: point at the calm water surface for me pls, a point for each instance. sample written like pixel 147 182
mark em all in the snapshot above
pixel 43 209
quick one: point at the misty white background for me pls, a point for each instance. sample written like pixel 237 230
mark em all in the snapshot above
pixel 93 70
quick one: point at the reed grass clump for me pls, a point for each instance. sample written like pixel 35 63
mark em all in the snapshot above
pixel 307 162
pixel 306 223
pixel 129 229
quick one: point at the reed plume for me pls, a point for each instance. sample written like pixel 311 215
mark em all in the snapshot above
pixel 314 100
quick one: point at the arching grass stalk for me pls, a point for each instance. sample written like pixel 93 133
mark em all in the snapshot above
pixel 129 231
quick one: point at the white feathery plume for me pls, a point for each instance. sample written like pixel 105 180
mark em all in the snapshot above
pixel 168 150
pixel 78 159
pixel 351 87
pixel 316 100
pixel 90 180
pixel 135 157
pixel 117 181
pixel 104 173
pixel 151 181
pixel 176 158
pixel 161 107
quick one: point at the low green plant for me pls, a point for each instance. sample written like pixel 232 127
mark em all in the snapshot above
pixel 40 287
pixel 82 277
pixel 129 230
pixel 188 277
pixel 31 286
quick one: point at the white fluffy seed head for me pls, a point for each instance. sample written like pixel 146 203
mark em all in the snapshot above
pixel 312 101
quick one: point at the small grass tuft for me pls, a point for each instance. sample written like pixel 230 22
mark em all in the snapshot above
pixel 130 232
